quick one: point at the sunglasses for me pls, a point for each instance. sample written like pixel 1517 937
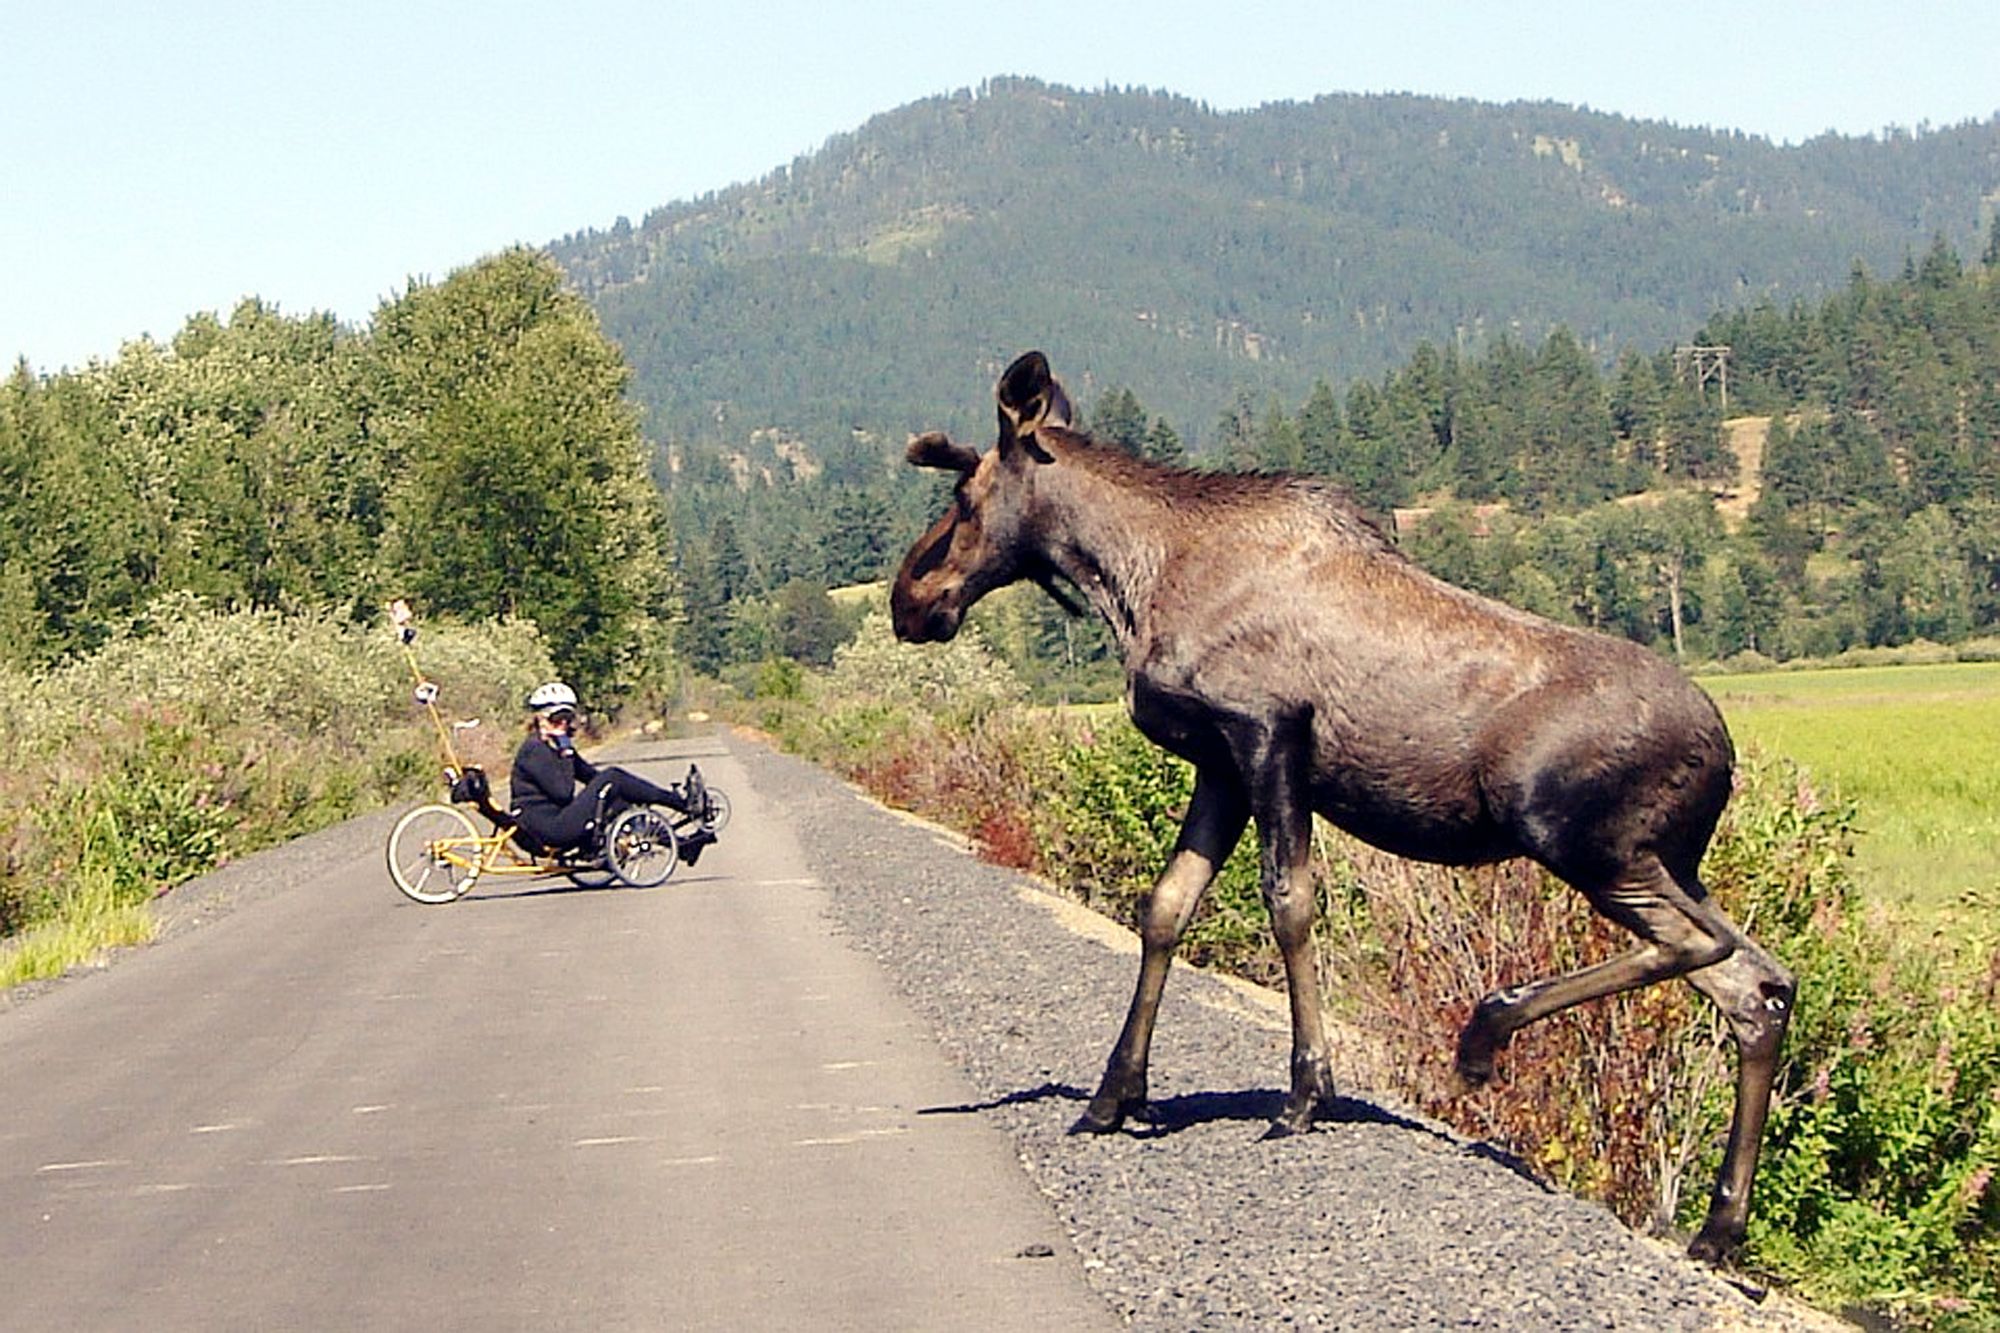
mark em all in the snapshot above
pixel 562 719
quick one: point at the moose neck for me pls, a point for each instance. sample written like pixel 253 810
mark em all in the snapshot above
pixel 1106 532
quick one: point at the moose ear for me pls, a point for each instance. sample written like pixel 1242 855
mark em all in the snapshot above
pixel 1029 399
pixel 935 449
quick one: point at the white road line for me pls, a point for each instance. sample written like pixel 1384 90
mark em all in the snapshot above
pixel 82 1166
pixel 855 1137
pixel 315 1159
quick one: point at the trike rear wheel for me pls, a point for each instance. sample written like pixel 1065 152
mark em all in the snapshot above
pixel 433 853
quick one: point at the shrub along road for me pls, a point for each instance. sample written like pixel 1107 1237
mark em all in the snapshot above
pixel 796 1086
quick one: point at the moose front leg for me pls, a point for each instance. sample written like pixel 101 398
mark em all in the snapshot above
pixel 1284 826
pixel 1215 819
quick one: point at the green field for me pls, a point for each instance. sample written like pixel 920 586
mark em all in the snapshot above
pixel 1916 749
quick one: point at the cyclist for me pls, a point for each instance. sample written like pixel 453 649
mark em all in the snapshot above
pixel 548 805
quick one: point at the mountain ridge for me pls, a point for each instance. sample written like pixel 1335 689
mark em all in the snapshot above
pixel 879 283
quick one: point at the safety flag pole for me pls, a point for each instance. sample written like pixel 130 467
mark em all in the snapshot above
pixel 427 690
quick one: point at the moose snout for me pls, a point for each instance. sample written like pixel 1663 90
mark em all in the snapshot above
pixel 917 622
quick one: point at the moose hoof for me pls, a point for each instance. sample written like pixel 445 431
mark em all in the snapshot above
pixel 1470 1076
pixel 1300 1111
pixel 1106 1115
pixel 1288 1125
pixel 1715 1244
pixel 1473 1069
pixel 1091 1122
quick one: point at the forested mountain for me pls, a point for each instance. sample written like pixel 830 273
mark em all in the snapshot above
pixel 1587 495
pixel 1197 257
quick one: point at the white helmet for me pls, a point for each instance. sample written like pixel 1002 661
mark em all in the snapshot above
pixel 553 697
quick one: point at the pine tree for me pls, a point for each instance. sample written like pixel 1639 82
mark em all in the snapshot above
pixel 1320 428
pixel 1120 419
pixel 856 545
pixel 1236 436
pixel 1278 445
pixel 1163 444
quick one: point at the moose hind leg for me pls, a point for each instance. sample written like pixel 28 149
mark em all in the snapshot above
pixel 1679 932
pixel 1755 994
pixel 1215 819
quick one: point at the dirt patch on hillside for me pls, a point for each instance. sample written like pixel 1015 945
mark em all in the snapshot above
pixel 1745 438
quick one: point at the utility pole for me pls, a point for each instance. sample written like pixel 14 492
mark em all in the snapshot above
pixel 1704 363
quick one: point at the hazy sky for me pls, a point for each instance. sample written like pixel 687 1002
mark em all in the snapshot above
pixel 159 160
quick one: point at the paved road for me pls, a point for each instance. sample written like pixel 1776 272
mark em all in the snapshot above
pixel 687 1107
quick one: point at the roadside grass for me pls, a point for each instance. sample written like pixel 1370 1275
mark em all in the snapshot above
pixel 1914 749
pixel 165 755
pixel 87 924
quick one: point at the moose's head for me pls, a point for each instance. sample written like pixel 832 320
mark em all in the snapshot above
pixel 982 541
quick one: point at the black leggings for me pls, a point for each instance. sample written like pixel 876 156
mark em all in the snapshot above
pixel 565 827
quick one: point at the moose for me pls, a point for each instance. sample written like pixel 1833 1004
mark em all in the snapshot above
pixel 1277 641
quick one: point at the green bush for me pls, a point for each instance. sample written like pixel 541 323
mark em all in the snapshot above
pixel 214 734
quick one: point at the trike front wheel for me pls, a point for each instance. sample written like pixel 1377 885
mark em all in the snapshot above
pixel 640 847
pixel 434 853
pixel 718 809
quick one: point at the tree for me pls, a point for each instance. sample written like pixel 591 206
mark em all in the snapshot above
pixel 1236 436
pixel 1119 419
pixel 1923 570
pixel 1358 447
pixel 856 546
pixel 1635 406
pixel 1320 429
pixel 1568 428
pixel 1163 444
pixel 809 625
pixel 523 486
pixel 728 566
pixel 1670 542
pixel 75 547
pixel 1278 445
pixel 1489 429
pixel 703 633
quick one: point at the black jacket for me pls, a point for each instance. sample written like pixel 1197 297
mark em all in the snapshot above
pixel 546 777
